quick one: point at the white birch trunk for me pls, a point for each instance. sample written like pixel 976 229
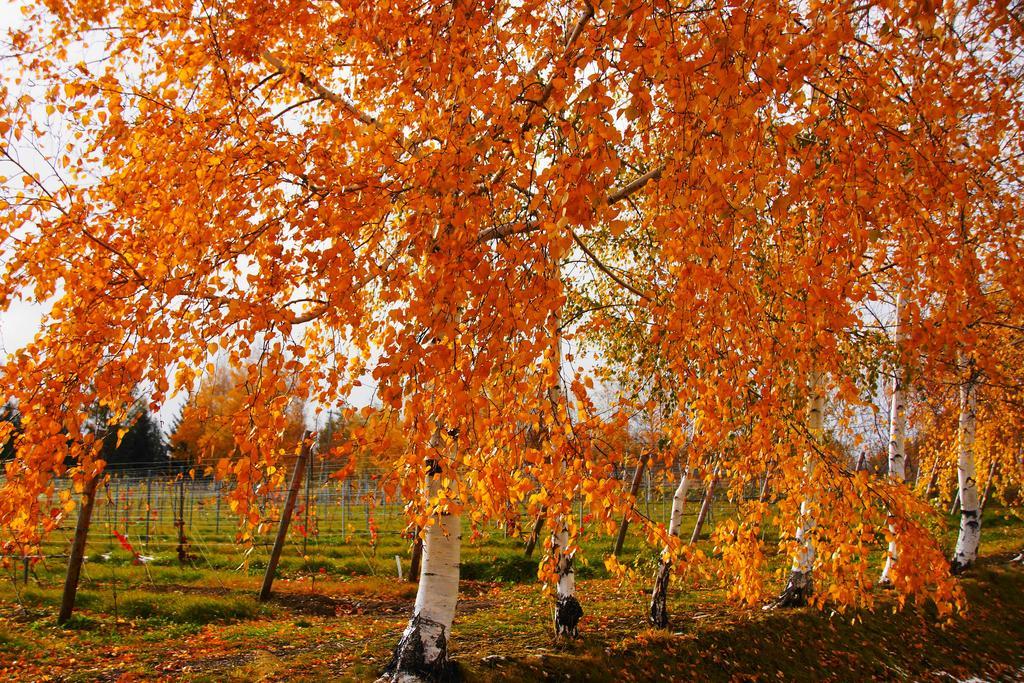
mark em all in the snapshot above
pixel 801 585
pixel 422 653
pixel 679 504
pixel 970 514
pixel 897 443
pixel 568 610
pixel 763 496
pixel 658 614
pixel 567 607
pixel 803 563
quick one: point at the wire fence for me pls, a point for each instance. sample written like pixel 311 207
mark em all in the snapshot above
pixel 173 518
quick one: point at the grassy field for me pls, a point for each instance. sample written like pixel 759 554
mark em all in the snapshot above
pixel 338 610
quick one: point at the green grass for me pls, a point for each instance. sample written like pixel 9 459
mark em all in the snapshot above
pixel 157 633
pixel 80 622
pixel 510 568
pixel 709 640
pixel 139 606
pixel 9 640
pixel 339 609
pixel 205 610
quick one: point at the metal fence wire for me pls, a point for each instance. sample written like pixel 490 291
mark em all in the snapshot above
pixel 155 515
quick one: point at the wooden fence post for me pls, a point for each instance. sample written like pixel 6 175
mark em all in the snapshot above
pixel 67 602
pixel 538 526
pixel 216 529
pixel 309 482
pixel 286 518
pixel 180 523
pixel 149 503
pixel 634 488
pixel 705 507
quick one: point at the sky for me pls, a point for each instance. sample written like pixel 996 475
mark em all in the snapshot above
pixel 21 321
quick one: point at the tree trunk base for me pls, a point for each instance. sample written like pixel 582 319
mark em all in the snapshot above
pixel 568 613
pixel 958 566
pixel 659 609
pixel 797 594
pixel 967 541
pixel 885 583
pixel 410 664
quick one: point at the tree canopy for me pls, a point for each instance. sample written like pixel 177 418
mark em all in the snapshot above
pixel 717 201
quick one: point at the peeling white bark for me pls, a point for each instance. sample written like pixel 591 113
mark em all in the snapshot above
pixel 897 443
pixel 800 585
pixel 658 612
pixel 804 560
pixel 679 504
pixel 566 580
pixel 422 653
pixel 439 577
pixel 970 513
pixel 567 607
pixel 568 610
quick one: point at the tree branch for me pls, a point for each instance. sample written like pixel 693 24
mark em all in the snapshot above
pixel 605 269
pixel 319 89
pixel 577 31
pixel 498 232
pixel 627 190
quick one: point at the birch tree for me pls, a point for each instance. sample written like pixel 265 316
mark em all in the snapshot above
pixel 322 186
pixel 800 586
pixel 897 440
pixel 966 552
pixel 658 611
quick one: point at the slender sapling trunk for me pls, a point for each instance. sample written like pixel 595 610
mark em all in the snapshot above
pixel 705 508
pixel 658 615
pixel 897 447
pixel 967 542
pixel 531 542
pixel 417 557
pixel 800 586
pixel 634 487
pixel 988 485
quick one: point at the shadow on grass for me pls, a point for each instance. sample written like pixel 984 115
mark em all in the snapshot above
pixel 800 645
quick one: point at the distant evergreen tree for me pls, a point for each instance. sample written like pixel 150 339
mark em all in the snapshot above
pixel 142 446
